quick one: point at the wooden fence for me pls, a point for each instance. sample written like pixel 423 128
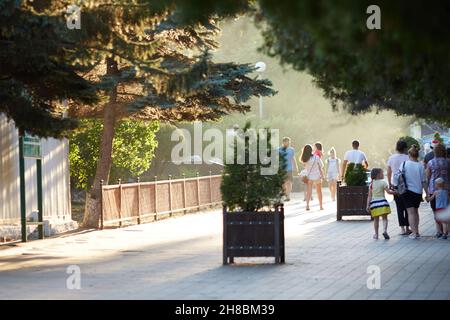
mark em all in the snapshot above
pixel 142 201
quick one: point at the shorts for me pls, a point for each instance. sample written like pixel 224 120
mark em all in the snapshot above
pixel 332 177
pixel 411 199
pixel 289 176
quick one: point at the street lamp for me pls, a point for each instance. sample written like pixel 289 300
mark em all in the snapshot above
pixel 260 67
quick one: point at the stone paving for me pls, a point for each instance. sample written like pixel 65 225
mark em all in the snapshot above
pixel 181 258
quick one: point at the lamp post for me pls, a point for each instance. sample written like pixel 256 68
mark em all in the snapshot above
pixel 260 67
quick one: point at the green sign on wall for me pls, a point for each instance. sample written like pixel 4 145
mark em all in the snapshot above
pixel 31 146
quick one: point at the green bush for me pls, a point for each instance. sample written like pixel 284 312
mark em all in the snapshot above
pixel 410 141
pixel 243 186
pixel 355 175
pixel 133 150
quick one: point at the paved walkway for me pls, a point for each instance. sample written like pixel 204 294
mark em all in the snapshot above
pixel 180 258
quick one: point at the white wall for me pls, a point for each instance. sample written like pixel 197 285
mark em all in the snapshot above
pixel 55 173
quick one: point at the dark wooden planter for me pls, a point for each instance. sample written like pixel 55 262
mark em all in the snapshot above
pixel 253 234
pixel 351 201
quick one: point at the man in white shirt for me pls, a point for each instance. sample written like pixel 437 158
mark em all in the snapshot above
pixel 354 156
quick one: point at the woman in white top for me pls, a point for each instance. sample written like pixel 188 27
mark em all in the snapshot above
pixel 314 172
pixel 416 183
pixel 333 172
pixel 393 166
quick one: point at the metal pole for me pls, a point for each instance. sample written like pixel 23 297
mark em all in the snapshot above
pixel 23 212
pixel 39 198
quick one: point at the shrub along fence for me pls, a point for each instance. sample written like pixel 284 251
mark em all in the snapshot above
pixel 133 203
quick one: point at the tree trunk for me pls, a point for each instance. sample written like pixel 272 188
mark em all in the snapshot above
pixel 93 197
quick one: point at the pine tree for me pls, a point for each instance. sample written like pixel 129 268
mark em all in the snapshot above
pixel 244 187
pixel 139 59
pixel 156 69
pixel 35 71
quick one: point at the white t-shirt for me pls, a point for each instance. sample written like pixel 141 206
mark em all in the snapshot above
pixel 355 156
pixel 414 176
pixel 395 162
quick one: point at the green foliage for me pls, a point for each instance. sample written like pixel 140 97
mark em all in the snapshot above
pixel 36 72
pixel 410 141
pixel 355 175
pixel 157 61
pixel 243 186
pixel 133 150
pixel 402 67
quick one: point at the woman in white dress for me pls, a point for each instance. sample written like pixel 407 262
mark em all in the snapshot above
pixel 313 172
pixel 333 170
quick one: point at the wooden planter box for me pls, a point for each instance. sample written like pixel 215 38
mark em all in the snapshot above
pixel 351 201
pixel 253 234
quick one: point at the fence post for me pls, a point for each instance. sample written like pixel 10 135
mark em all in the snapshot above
pixel 102 207
pixel 139 200
pixel 120 201
pixel 225 238
pixel 198 192
pixel 210 188
pixel 184 192
pixel 156 198
pixel 170 194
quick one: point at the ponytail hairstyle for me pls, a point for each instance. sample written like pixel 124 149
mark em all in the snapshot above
pixel 306 153
pixel 414 151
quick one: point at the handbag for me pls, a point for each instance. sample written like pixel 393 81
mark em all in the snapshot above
pixel 305 178
pixel 402 186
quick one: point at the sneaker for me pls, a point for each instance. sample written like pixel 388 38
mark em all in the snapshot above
pixel 438 235
pixel 444 237
pixel 375 237
pixel 413 236
pixel 386 236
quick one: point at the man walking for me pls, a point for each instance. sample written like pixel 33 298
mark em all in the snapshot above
pixel 355 156
pixel 288 153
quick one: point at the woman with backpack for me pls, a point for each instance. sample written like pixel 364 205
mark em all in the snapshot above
pixel 393 166
pixel 411 185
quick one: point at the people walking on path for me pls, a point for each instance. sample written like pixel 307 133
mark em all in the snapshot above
pixel 416 184
pixel 288 153
pixel 440 199
pixel 377 204
pixel 393 166
pixel 333 170
pixel 438 167
pixel 354 156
